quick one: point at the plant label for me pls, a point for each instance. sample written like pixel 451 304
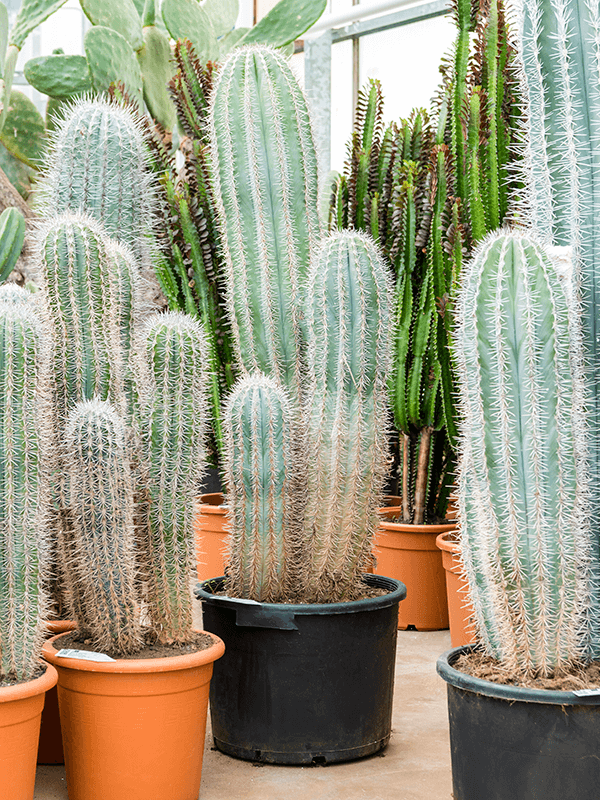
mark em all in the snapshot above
pixel 587 692
pixel 84 655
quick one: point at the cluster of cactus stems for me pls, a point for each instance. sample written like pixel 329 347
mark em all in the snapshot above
pixel 307 425
pixel 428 191
pixel 558 46
pixel 524 479
pixel 127 405
pixel 26 464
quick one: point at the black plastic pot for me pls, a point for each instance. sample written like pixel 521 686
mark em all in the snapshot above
pixel 302 684
pixel 510 743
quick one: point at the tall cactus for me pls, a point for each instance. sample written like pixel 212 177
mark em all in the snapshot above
pixel 265 490
pixel 265 179
pixel 174 422
pixel 98 165
pixel 559 53
pixel 100 540
pixel 349 326
pixel 26 463
pixel 524 479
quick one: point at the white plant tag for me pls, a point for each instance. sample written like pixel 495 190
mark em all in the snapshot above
pixel 586 692
pixel 84 655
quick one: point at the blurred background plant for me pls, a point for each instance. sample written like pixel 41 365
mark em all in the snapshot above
pixel 428 189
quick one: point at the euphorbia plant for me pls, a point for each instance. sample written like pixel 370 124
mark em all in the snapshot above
pixel 307 448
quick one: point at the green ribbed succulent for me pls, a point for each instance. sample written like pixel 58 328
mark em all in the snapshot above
pixel 349 329
pixel 26 463
pixel 302 493
pixel 558 51
pixel 12 237
pixel 265 489
pixel 100 542
pixel 524 479
pixel 98 165
pixel 173 421
pixel 265 183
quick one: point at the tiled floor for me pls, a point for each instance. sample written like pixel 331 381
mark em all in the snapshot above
pixel 414 766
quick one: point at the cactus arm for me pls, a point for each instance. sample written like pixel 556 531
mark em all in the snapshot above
pixel 12 237
pixel 477 211
pixel 492 52
pixel 102 570
pixel 462 11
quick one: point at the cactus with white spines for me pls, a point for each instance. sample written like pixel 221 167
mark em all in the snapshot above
pixel 174 424
pixel 265 490
pixel 98 165
pixel 100 541
pixel 265 182
pixel 524 482
pixel 349 328
pixel 26 464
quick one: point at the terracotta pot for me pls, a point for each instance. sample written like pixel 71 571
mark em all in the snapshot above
pixel 50 748
pixel 459 609
pixel 409 554
pixel 20 715
pixel 134 729
pixel 211 532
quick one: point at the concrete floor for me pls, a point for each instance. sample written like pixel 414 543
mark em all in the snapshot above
pixel 414 766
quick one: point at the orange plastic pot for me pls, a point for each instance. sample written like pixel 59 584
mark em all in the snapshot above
pixel 50 748
pixel 409 554
pixel 134 729
pixel 459 608
pixel 211 532
pixel 20 715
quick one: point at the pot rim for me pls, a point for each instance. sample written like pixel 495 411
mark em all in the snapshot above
pixel 460 680
pixel 447 546
pixel 123 666
pixel 396 593
pixel 21 691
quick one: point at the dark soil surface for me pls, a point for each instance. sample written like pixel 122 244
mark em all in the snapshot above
pixel 199 641
pixel 480 665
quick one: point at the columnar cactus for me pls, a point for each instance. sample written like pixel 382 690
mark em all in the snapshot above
pixel 77 279
pixel 349 325
pixel 98 165
pixel 523 480
pixel 265 490
pixel 100 539
pixel 174 424
pixel 559 52
pixel 26 463
pixel 265 180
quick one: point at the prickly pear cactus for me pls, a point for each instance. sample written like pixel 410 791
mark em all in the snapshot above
pixel 264 477
pixel 265 180
pixel 349 326
pixel 524 482
pixel 27 453
pixel 100 540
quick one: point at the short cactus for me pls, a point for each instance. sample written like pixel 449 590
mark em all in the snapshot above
pixel 265 180
pixel 524 483
pixel 349 324
pixel 26 463
pixel 77 279
pixel 98 166
pixel 100 539
pixel 174 423
pixel 265 490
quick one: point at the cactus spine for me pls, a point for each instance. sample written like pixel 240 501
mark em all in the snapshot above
pixel 265 179
pixel 98 166
pixel 524 482
pixel 175 424
pixel 349 330
pixel 264 483
pixel 26 462
pixel 100 542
